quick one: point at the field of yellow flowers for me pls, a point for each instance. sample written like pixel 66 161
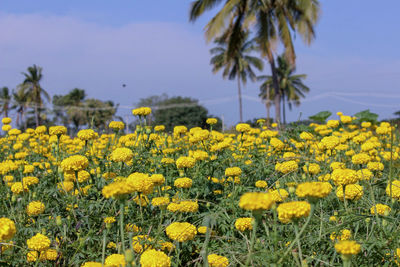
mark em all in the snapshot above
pixel 317 195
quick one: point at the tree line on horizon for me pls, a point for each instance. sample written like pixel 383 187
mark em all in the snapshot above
pixel 73 109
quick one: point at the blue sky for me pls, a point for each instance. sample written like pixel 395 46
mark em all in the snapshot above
pixel 150 46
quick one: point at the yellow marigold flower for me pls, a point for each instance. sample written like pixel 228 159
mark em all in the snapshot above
pixel 375 166
pixel 184 182
pixel 167 161
pixel 185 162
pixel 179 130
pixel 344 176
pixel 293 210
pixel 160 201
pixel 41 129
pixel 256 201
pixel 65 186
pixel 324 177
pixel 277 144
pixel 332 123
pixel 202 229
pixel 115 260
pixel 306 136
pixel 381 209
pixel 6 128
pixel 233 171
pixel 141 200
pixel 348 247
pixel 57 130
pixel 243 127
pixel 86 135
pixel 279 195
pixel 167 246
pixel 18 188
pixel 243 224
pixel 109 220
pixel 159 128
pixel 211 121
pixel 30 180
pixel 360 158
pixel 181 232
pixel 32 256
pixel 345 234
pixel 393 189
pixel 38 242
pixel 140 182
pixel 330 142
pixel 183 206
pixel 35 208
pixel 141 243
pixel 117 189
pixel 143 111
pixel 287 166
pixel 116 125
pixel 75 163
pixel 157 179
pixel 312 168
pixel 313 189
pixel 154 258
pixel 111 245
pixel 51 254
pixel 130 227
pixel 215 260
pixel 366 124
pixel 332 219
pixel 198 155
pixel 7 229
pixel 364 174
pixel 261 184
pixel 345 119
pixel 13 131
pixel 121 154
pixel 6 120
pixel 92 264
pixel 352 192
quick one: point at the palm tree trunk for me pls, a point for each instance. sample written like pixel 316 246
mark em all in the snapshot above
pixel 240 100
pixel 37 115
pixel 268 105
pixel 283 108
pixel 275 83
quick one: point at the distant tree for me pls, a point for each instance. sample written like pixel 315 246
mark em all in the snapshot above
pixel 99 113
pixel 34 90
pixel 173 111
pixel 5 99
pixel 236 62
pixel 292 88
pixel 69 108
pixel 20 100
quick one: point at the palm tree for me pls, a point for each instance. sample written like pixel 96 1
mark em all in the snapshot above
pixel 274 22
pixel 5 99
pixel 236 63
pixel 20 99
pixel 34 90
pixel 291 86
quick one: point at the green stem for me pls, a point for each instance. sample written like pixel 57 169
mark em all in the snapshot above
pixel 296 230
pixel 253 238
pixel 103 251
pixel 300 233
pixel 121 224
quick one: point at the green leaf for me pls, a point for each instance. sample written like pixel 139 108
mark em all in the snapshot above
pixel 366 115
pixel 321 116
